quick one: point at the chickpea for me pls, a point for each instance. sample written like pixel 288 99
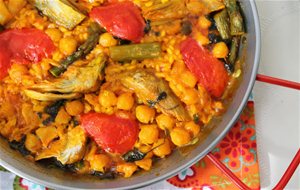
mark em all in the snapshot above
pixel 220 50
pixel 54 34
pixel 67 45
pixel 107 98
pixel 165 122
pixel 190 96
pixel 163 148
pixel 107 40
pixel 192 127
pixel 127 169
pixel 74 108
pixel 180 136
pixel 125 101
pixel 148 134
pixel 145 164
pixel 144 114
pixel 201 39
pixel 99 162
pixel 203 22
pixel 188 79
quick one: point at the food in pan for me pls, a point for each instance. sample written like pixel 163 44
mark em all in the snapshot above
pixel 109 87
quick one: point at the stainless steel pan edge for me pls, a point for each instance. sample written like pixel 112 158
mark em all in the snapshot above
pixel 175 163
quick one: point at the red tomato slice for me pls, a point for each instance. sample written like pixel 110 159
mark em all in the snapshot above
pixel 122 19
pixel 23 46
pixel 209 71
pixel 112 133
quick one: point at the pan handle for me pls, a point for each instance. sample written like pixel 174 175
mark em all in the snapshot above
pixel 280 185
pixel 277 81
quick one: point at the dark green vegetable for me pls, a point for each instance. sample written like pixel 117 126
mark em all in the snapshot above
pixel 148 26
pixel 222 23
pixel 94 31
pixel 186 27
pixel 20 146
pixel 214 38
pixel 135 52
pixel 236 20
pixel 62 12
pixel 133 155
pixel 162 96
pixel 196 118
pixel 52 110
pixel 234 49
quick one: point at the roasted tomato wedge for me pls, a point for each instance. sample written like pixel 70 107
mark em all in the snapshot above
pixel 111 132
pixel 23 46
pixel 122 19
pixel 210 72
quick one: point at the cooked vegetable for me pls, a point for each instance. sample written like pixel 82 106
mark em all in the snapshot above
pixel 68 149
pixel 14 6
pixel 122 19
pixel 236 19
pixel 50 96
pixel 213 5
pixel 33 45
pixel 5 15
pixel 222 23
pixel 148 88
pixel 94 32
pixel 209 70
pixel 62 12
pixel 118 136
pixel 133 155
pixel 165 11
pixel 135 51
pixel 75 147
pixel 234 50
pixel 74 80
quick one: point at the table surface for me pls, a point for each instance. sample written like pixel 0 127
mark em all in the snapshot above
pixel 278 108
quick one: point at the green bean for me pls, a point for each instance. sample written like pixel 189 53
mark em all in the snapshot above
pixel 135 52
pixel 236 19
pixel 222 23
pixel 94 31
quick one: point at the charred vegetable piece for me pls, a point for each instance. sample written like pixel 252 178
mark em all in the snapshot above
pixel 234 50
pixel 222 23
pixel 196 118
pixel 20 146
pixel 186 27
pixel 213 5
pixel 148 88
pixel 214 38
pixel 111 132
pixel 135 51
pixel 168 11
pixel 94 31
pixel 209 71
pixel 5 15
pixel 122 19
pixel 147 28
pixel 236 20
pixel 133 155
pixel 53 109
pixel 62 12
